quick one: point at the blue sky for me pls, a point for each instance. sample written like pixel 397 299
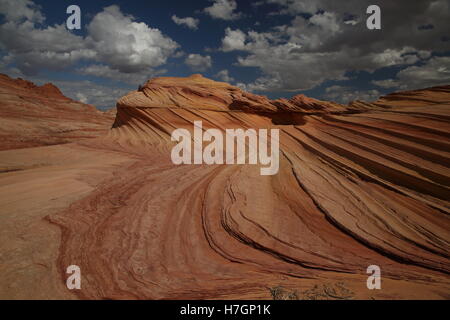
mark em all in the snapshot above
pixel 278 48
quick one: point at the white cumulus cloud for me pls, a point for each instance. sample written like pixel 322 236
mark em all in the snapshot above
pixel 189 22
pixel 126 45
pixel 198 62
pixel 223 9
pixel 233 40
pixel 224 75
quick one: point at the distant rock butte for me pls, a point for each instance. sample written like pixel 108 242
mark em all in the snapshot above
pixel 32 115
pixel 359 184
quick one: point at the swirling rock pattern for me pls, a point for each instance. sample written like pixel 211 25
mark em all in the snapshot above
pixel 358 185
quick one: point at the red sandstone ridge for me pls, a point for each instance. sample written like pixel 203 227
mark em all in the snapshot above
pixel 47 90
pixel 197 92
pixel 358 185
pixel 32 115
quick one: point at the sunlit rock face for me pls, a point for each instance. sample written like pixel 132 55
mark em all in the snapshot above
pixel 358 185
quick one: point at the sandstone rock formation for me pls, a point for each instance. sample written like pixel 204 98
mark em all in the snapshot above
pixel 33 115
pixel 359 185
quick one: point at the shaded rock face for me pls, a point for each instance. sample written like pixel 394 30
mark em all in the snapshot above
pixel 358 185
pixel 32 115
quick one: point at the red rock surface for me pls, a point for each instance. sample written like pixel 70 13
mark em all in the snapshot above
pixel 358 185
pixel 33 116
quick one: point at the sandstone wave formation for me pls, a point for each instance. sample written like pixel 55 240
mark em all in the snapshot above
pixel 32 116
pixel 360 184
